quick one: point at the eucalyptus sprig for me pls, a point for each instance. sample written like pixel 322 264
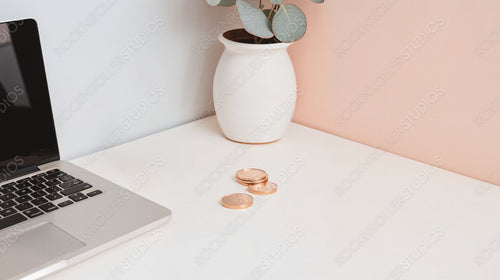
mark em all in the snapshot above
pixel 286 22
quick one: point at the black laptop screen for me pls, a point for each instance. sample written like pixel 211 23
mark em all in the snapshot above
pixel 27 132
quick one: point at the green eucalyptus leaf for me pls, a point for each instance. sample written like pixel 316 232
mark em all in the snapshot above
pixel 278 2
pixel 318 1
pixel 225 3
pixel 254 20
pixel 289 23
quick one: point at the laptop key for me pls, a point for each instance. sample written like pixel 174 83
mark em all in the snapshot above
pixel 76 188
pixel 52 171
pixel 53 189
pixel 9 189
pixel 9 184
pixel 65 203
pixel 22 180
pixel 78 197
pixel 53 182
pixel 12 220
pixel 36 181
pixel 33 212
pixel 7 197
pixel 94 193
pixel 23 199
pixel 40 200
pixel 38 193
pixel 23 192
pixel 24 206
pixel 54 175
pixel 24 185
pixel 8 212
pixel 51 176
pixel 53 196
pixel 48 207
pixel 40 175
pixel 70 183
pixel 65 178
pixel 8 204
pixel 38 187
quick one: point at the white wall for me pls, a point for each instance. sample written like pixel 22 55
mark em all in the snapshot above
pixel 122 69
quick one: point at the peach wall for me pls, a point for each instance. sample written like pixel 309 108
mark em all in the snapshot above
pixel 417 78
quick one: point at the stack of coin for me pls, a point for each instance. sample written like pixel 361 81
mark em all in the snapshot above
pixel 256 180
pixel 251 176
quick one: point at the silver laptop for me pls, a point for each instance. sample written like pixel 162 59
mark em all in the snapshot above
pixel 52 213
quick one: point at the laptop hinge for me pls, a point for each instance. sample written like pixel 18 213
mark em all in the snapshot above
pixel 18 173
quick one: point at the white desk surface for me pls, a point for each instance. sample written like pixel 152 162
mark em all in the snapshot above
pixel 343 211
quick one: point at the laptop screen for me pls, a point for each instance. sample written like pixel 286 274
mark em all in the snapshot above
pixel 27 132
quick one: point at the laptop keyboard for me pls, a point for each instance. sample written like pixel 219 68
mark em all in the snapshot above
pixel 36 195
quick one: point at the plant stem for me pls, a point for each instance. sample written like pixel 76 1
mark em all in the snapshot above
pixel 270 12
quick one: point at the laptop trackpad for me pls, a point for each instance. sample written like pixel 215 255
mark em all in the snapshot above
pixel 23 250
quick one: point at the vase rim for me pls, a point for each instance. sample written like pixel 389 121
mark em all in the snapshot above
pixel 229 42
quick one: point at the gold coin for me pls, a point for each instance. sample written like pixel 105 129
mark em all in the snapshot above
pixel 251 175
pixel 263 189
pixel 237 201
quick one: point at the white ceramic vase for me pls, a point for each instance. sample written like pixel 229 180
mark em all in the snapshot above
pixel 255 89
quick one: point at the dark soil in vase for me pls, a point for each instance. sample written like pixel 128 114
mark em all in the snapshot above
pixel 242 36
